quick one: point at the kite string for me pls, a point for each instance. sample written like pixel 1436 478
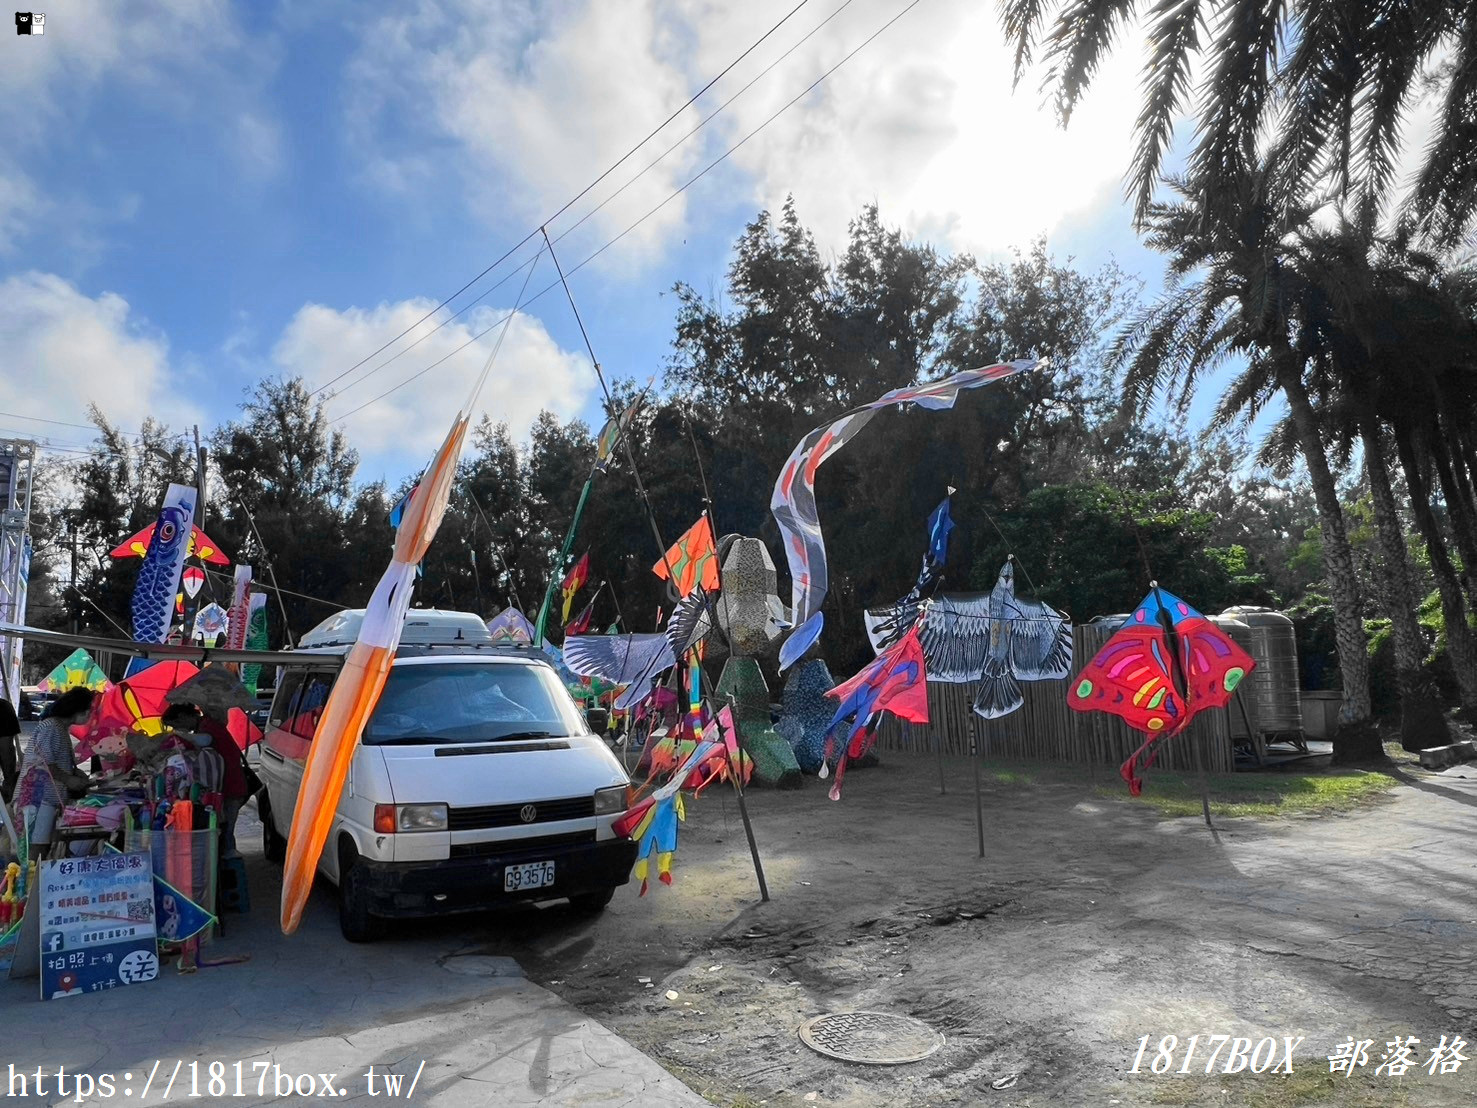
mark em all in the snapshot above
pixel 662 550
pixel 503 334
pixel 1006 542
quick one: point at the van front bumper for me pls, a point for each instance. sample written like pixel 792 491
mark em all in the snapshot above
pixel 403 889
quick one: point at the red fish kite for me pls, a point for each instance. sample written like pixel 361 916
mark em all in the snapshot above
pixel 202 546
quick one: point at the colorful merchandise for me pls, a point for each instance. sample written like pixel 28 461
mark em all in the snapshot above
pixel 77 668
pixel 631 660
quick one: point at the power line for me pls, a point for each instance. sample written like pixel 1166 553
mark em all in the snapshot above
pixel 600 206
pixel 507 319
pixel 672 196
pixel 577 197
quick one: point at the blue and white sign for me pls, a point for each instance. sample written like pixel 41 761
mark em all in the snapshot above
pixel 97 924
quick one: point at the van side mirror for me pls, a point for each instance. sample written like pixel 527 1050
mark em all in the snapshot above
pixel 597 718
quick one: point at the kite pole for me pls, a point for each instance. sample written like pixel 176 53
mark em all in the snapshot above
pixel 492 543
pixel 281 604
pixel 1167 623
pixel 738 732
pixel 620 429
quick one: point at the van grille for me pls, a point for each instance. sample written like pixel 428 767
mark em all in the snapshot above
pixel 510 815
pixel 514 846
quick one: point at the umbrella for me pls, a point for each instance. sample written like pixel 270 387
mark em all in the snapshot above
pixel 215 690
pixel 138 702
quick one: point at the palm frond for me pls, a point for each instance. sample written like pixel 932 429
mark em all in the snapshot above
pixel 1446 192
pixel 1076 45
pixel 1174 40
pixel 1021 20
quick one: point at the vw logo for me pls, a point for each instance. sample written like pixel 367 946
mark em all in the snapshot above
pixel 528 813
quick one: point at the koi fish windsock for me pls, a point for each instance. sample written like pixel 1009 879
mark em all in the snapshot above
pixel 362 679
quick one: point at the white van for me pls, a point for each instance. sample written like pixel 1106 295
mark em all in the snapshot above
pixel 477 781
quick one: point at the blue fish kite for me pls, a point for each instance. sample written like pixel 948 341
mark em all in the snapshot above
pixel 159 577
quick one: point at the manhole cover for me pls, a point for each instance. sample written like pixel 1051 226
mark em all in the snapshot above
pixel 873 1038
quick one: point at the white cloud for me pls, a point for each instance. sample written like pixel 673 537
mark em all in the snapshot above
pixel 61 350
pixel 398 434
pixel 21 207
pixel 535 99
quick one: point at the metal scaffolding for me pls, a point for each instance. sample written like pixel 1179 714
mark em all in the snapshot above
pixel 17 458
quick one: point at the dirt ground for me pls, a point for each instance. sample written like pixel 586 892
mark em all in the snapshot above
pixel 1090 922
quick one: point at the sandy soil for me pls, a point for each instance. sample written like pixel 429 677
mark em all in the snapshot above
pixel 1089 923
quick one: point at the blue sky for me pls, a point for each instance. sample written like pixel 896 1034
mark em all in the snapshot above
pixel 194 194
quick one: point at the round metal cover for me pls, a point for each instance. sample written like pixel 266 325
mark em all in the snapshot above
pixel 872 1038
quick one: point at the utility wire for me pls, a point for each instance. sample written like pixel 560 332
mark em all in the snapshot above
pixel 577 197
pixel 600 206
pixel 507 319
pixel 672 196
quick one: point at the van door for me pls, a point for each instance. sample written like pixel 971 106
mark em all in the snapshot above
pixel 295 714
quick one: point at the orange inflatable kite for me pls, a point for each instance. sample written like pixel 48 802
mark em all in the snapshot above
pixel 362 679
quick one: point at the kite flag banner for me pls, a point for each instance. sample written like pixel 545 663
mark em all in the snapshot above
pixel 1164 666
pixel 895 682
pixel 202 546
pixel 193 578
pixel 510 625
pixel 77 668
pixel 653 822
pixel 692 560
pixel 580 623
pixel 573 581
pixel 362 679
pixel 159 576
pixel 793 502
pixel 210 623
pixel 615 429
pixel 256 638
pixel 240 599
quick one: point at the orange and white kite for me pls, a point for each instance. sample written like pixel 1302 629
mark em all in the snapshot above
pixel 362 679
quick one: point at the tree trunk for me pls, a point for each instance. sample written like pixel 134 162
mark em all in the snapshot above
pixel 1356 740
pixel 1421 721
pixel 1460 647
pixel 1459 509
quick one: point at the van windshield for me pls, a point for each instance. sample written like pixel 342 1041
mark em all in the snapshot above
pixel 455 703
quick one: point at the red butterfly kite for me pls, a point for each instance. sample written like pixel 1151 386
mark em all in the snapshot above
pixel 1163 667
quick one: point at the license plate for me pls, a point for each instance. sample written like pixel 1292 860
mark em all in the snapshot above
pixel 530 875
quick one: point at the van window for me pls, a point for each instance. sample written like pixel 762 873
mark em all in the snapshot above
pixel 299 702
pixel 453 703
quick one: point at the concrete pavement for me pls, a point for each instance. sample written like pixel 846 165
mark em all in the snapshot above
pixel 426 1005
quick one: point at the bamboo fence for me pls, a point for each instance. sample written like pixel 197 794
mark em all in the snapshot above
pixel 1046 730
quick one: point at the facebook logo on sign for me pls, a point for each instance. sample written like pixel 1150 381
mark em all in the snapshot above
pixel 52 941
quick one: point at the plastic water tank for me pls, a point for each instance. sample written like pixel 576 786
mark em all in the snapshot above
pixel 1240 634
pixel 1272 691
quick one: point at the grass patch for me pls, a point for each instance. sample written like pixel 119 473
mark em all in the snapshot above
pixel 1303 1088
pixel 1261 795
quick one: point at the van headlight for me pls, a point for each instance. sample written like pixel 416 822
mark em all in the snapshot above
pixel 611 801
pixel 392 818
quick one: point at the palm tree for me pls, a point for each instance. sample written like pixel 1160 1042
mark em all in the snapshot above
pixel 1354 295
pixel 1234 292
pixel 1330 80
